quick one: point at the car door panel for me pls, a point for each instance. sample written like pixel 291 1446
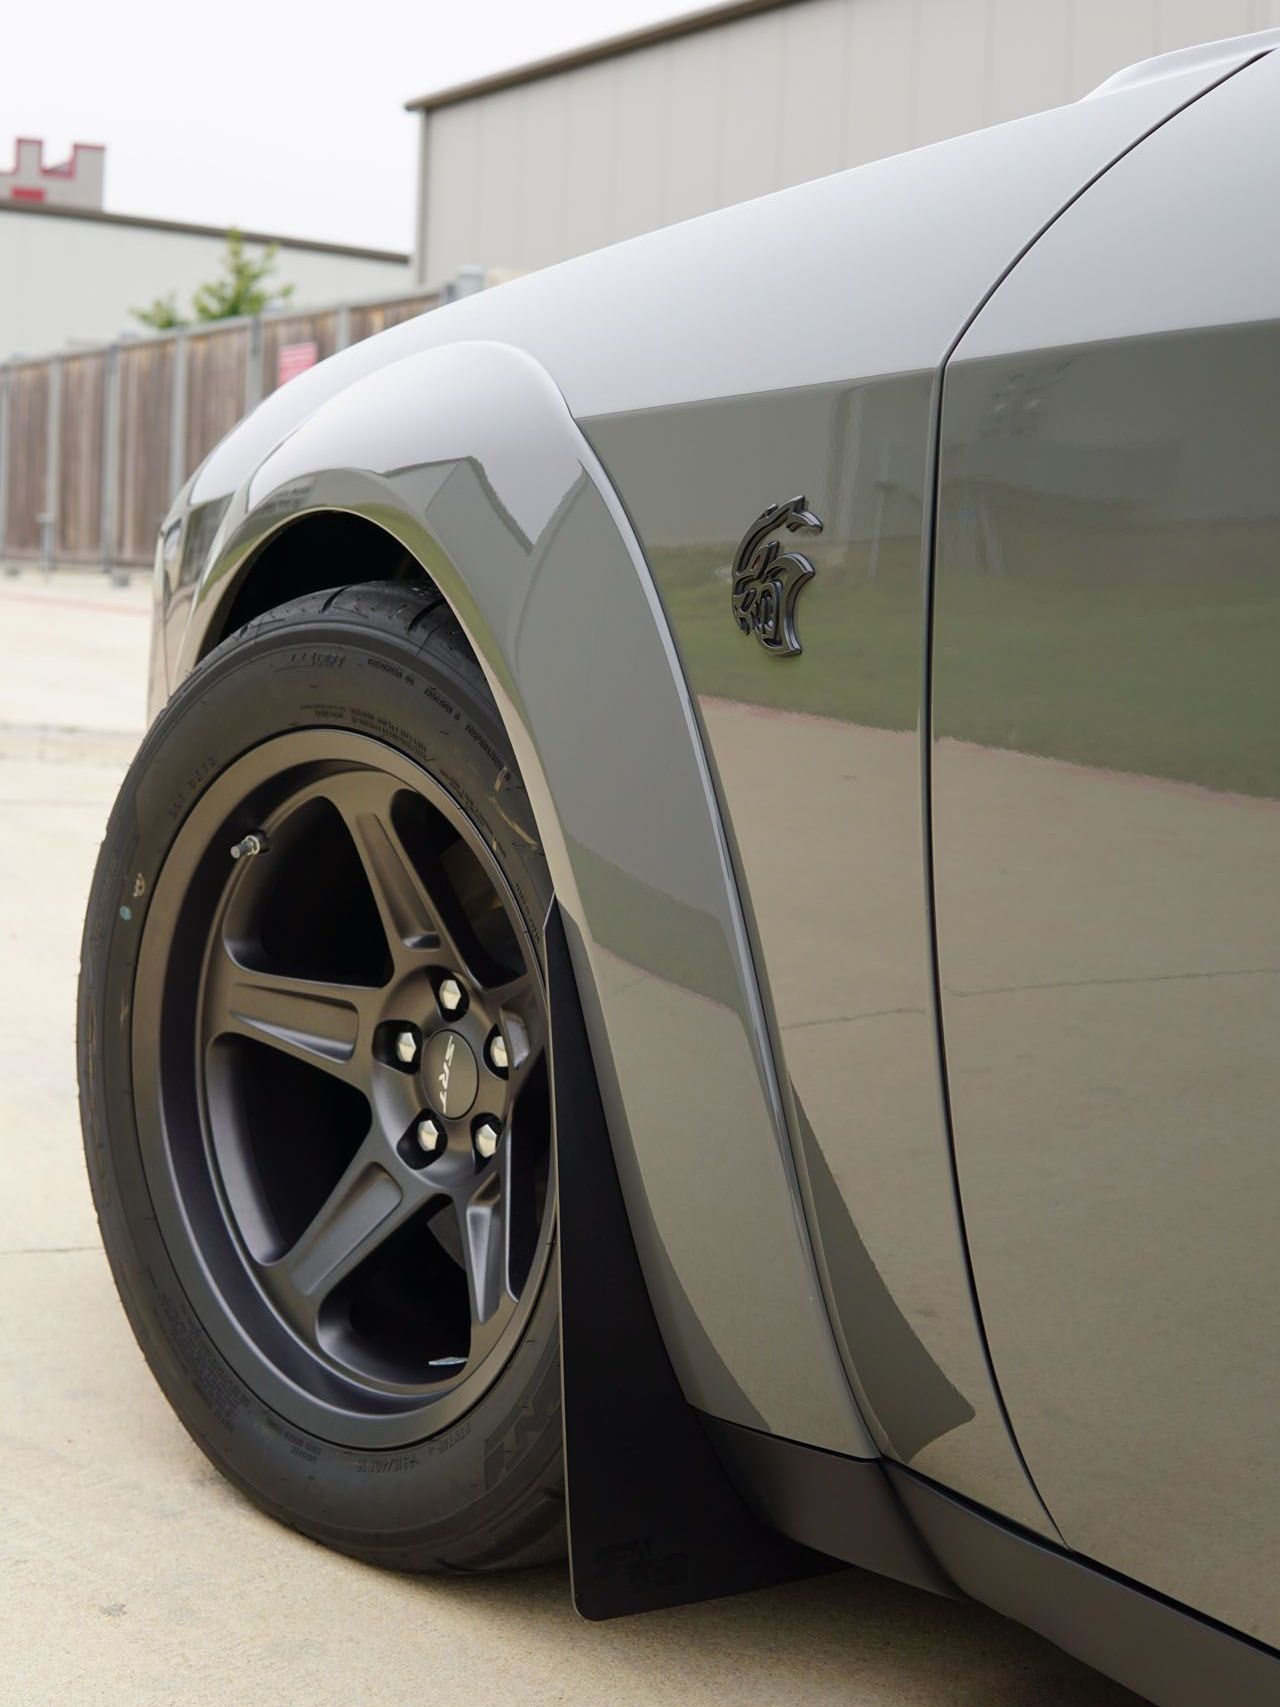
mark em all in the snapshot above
pixel 1106 797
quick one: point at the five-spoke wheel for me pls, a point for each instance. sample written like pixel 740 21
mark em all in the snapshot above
pixel 370 1065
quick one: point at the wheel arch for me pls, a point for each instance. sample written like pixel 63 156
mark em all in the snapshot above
pixel 310 553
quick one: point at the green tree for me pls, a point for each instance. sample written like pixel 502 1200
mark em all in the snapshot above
pixel 243 287
pixel 163 315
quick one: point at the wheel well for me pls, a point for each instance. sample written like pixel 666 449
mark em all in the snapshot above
pixel 331 548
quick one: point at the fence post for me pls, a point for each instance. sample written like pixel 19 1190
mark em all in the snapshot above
pixel 52 458
pixel 5 372
pixel 178 415
pixel 110 463
pixel 253 375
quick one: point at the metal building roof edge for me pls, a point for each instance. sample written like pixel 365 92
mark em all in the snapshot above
pixel 593 53
pixel 51 210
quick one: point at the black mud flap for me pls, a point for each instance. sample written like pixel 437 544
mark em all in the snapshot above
pixel 654 1519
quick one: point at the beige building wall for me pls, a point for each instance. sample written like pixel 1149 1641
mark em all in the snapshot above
pixel 531 174
pixel 71 278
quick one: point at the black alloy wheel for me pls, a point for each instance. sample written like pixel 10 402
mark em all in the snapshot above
pixel 369 1075
pixel 326 1103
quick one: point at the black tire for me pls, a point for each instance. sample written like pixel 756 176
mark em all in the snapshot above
pixel 415 1469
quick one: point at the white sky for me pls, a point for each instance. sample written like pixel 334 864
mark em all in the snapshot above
pixel 275 116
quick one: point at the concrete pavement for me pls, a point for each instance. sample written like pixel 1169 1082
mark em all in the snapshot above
pixel 132 1573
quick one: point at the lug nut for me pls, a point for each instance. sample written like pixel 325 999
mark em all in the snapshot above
pixel 498 1052
pixel 406 1047
pixel 428 1136
pixel 451 995
pixel 487 1136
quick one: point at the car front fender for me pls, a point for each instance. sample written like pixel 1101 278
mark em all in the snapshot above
pixel 468 456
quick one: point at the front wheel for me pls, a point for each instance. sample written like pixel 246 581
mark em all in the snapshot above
pixel 314 1084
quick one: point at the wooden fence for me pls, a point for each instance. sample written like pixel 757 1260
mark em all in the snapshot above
pixel 94 444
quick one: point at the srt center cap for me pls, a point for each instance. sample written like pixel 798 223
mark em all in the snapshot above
pixel 451 1075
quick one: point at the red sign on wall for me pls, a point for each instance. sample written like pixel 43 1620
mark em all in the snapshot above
pixel 294 359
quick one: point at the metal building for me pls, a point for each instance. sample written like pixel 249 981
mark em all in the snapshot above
pixel 555 158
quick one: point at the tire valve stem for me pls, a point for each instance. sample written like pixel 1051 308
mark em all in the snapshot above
pixel 254 843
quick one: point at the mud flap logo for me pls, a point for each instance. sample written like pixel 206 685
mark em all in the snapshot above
pixel 640 1563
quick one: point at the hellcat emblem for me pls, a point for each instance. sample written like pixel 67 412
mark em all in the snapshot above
pixel 767 581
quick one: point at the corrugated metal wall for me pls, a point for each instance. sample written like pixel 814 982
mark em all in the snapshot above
pixel 143 488
pixel 128 423
pixel 217 388
pixel 27 462
pixel 364 319
pixel 81 418
pixel 530 175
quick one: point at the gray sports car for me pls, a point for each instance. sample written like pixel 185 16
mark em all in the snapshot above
pixel 689 970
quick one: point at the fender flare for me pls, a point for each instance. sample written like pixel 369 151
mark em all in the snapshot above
pixel 468 456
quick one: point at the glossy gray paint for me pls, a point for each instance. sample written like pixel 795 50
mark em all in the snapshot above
pixel 1107 813
pixel 839 919
pixel 818 763
pixel 838 297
